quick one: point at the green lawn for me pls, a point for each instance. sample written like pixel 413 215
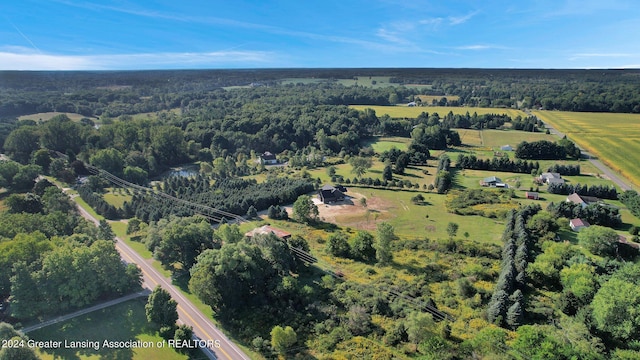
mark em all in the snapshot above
pixel 48 115
pixel 122 322
pixel 382 143
pixel 613 138
pixel 116 197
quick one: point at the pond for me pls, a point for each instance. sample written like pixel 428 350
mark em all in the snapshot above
pixel 182 171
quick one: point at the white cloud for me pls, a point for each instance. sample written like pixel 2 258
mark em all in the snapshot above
pixel 14 58
pixel 457 20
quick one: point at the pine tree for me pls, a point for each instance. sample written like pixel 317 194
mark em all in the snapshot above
pixel 515 315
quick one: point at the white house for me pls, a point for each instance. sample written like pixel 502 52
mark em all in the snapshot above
pixel 578 224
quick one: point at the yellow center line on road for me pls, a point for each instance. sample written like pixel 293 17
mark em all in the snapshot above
pixel 201 329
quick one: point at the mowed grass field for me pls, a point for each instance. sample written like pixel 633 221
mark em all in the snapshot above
pixel 496 138
pixel 613 138
pixel 45 116
pixel 413 112
pixel 123 322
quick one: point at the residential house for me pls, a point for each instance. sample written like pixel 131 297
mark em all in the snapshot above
pixel 582 200
pixel 532 195
pixel 491 181
pixel 268 158
pixel 551 178
pixel 266 229
pixel 623 240
pixel 554 181
pixel 578 224
pixel 329 193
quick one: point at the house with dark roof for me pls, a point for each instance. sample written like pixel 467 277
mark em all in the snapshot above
pixel 330 194
pixel 268 158
pixel 551 178
pixel 491 181
pixel 578 224
pixel 582 200
pixel 266 229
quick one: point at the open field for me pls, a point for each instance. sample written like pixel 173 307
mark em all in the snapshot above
pixel 48 115
pixel 382 143
pixel 428 99
pixel 366 81
pixel 496 138
pixel 123 322
pixel 413 112
pixel 116 197
pixel 613 138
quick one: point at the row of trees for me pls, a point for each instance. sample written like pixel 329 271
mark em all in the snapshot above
pixel 231 195
pixel 599 191
pixel 569 170
pixel 507 303
pixel 496 164
pixel 547 150
pixel 444 179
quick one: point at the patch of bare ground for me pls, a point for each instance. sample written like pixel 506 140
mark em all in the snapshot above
pixel 352 213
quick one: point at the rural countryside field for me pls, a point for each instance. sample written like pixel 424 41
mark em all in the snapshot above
pixel 613 138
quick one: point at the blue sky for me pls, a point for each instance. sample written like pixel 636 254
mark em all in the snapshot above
pixel 188 34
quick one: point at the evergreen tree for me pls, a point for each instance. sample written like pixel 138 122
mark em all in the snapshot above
pixel 515 315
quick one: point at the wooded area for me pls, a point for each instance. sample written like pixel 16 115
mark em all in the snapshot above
pixel 386 278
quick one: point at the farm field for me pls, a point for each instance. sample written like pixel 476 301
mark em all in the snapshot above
pixel 613 138
pixel 123 322
pixel 413 112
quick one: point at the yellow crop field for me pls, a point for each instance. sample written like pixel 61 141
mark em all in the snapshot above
pixel 413 112
pixel 613 138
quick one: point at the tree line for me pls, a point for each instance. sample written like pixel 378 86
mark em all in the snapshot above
pixel 496 164
pixel 547 150
pixel 599 191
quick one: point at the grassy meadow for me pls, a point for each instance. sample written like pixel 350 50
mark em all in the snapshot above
pixel 45 116
pixel 122 322
pixel 413 112
pixel 613 138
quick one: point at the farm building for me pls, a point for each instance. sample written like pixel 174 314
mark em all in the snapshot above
pixel 268 158
pixel 411 104
pixel 582 200
pixel 506 148
pixel 329 194
pixel 266 229
pixel 578 224
pixel 532 195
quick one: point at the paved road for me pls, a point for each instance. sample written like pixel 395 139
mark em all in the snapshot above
pixel 203 328
pixel 107 304
pixel 623 184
